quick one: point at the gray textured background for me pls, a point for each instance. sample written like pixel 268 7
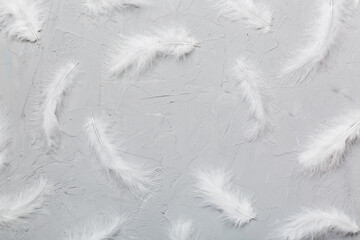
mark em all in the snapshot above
pixel 175 116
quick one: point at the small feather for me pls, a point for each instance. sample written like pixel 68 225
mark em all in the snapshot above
pixel 182 230
pixel 98 7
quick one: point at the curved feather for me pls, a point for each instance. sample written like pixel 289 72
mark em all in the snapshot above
pixel 22 19
pixel 53 100
pixel 215 188
pixel 255 15
pixel 24 203
pixel 6 136
pixel 182 230
pixel 134 54
pixel 326 150
pixel 97 7
pixel 324 37
pixel 314 224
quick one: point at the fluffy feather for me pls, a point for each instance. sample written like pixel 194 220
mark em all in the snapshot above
pixel 255 15
pixel 182 230
pixel 106 228
pixel 133 54
pixel 312 224
pixel 6 136
pixel 22 19
pixel 326 151
pixel 108 149
pixel 24 203
pixel 253 90
pixel 215 188
pixel 54 96
pixel 97 7
pixel 324 36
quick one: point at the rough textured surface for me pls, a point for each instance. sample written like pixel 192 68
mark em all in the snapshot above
pixel 177 116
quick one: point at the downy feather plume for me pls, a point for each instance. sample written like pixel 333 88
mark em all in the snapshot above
pixel 326 150
pixel 215 187
pixel 314 224
pixel 324 36
pixel 134 54
pixel 255 15
pixel 182 230
pixel 254 92
pixel 54 96
pixel 24 203
pixel 97 7
pixel 105 228
pixel 22 19
pixel 6 136
pixel 107 147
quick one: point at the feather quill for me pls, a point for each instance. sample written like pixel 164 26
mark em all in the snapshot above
pixel 54 96
pixel 324 37
pixel 106 145
pixel 254 92
pixel 182 230
pixel 106 228
pixel 133 54
pixel 22 19
pixel 312 224
pixel 326 151
pixel 24 203
pixel 6 136
pixel 215 188
pixel 98 7
pixel 255 15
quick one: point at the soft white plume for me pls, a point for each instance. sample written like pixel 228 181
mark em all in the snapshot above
pixel 182 230
pixel 324 36
pixel 255 15
pixel 6 136
pixel 97 7
pixel 24 203
pixel 22 19
pixel 216 188
pixel 313 224
pixel 326 151
pixel 134 54
pixel 107 146
pixel 60 84
pixel 254 92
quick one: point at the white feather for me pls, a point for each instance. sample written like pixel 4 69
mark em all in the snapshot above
pixel 324 36
pixel 6 136
pixel 326 150
pixel 254 92
pixel 97 7
pixel 313 224
pixel 215 187
pixel 108 149
pixel 106 228
pixel 54 95
pixel 182 230
pixel 255 15
pixel 24 203
pixel 22 19
pixel 134 54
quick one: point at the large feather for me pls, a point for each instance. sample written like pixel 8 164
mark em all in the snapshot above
pixel 54 95
pixel 108 149
pixel 22 19
pixel 313 224
pixel 133 54
pixel 255 15
pixel 254 92
pixel 6 136
pixel 215 187
pixel 97 7
pixel 326 150
pixel 182 230
pixel 24 203
pixel 324 36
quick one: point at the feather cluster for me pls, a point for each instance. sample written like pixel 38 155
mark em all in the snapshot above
pixel 326 151
pixel 97 7
pixel 134 54
pixel 325 36
pixel 255 15
pixel 60 84
pixel 254 92
pixel 182 230
pixel 24 203
pixel 22 19
pixel 312 224
pixel 215 187
pixel 6 136
pixel 106 228
pixel 107 147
